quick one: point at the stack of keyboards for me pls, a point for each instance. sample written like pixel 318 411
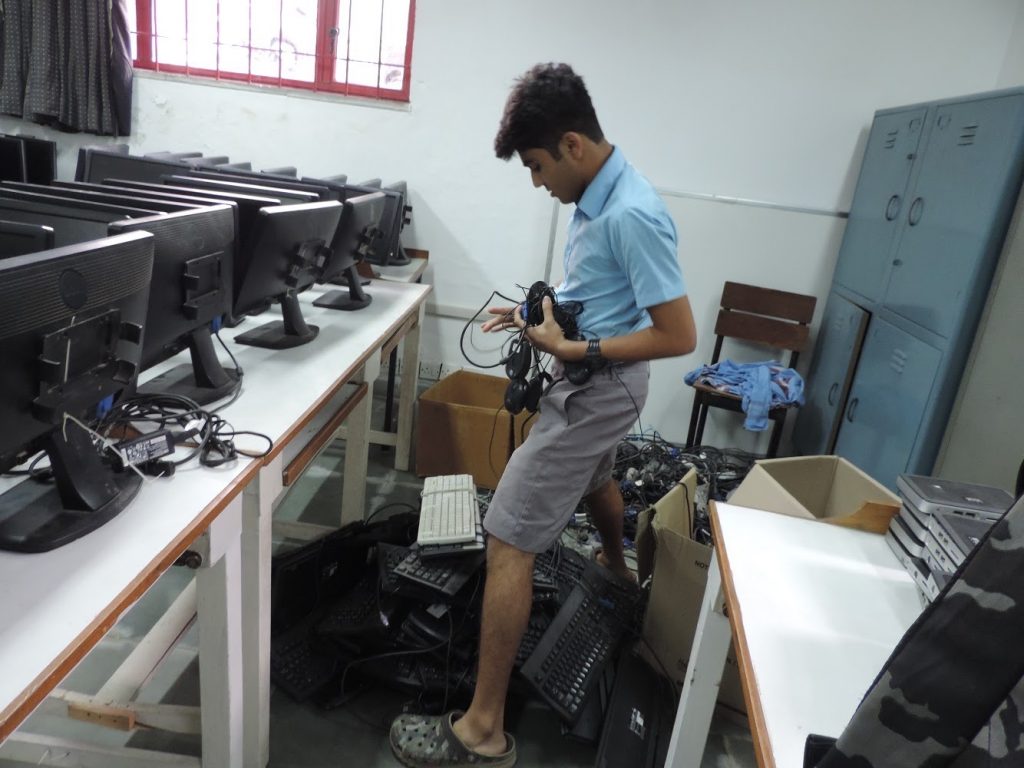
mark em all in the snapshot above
pixel 449 517
pixel 939 523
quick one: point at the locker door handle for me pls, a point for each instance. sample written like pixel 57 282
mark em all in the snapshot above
pixel 892 210
pixel 916 211
pixel 832 393
pixel 851 409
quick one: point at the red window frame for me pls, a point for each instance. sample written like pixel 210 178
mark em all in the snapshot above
pixel 327 19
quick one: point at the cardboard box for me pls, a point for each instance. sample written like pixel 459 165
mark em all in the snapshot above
pixel 680 568
pixel 462 427
pixel 827 488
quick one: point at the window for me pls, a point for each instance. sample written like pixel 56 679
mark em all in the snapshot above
pixel 356 47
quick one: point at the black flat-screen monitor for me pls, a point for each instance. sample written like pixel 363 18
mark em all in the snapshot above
pixel 357 230
pixel 40 159
pixel 208 161
pixel 388 249
pixel 13 166
pixel 18 238
pixel 70 224
pixel 290 245
pixel 104 195
pixel 72 321
pixel 248 205
pixel 282 170
pixel 95 166
pixel 242 186
pixel 193 258
pixel 321 191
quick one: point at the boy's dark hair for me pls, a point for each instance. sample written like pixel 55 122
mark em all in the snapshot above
pixel 545 103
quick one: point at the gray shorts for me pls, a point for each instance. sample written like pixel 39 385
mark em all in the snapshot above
pixel 569 452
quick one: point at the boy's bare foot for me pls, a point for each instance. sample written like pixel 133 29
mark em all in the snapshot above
pixel 619 570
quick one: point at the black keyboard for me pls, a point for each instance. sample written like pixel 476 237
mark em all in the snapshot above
pixel 302 664
pixel 535 629
pixel 583 637
pixel 356 612
pixel 557 569
pixel 444 576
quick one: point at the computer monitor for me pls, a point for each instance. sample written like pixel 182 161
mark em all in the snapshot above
pixel 40 159
pixel 357 229
pixel 96 166
pixel 208 161
pixel 165 155
pixel 72 336
pixel 70 224
pixel 321 191
pixel 375 183
pixel 282 170
pixel 338 178
pixel 18 238
pixel 290 245
pixel 244 186
pixel 103 195
pixel 193 258
pixel 12 159
pixel 243 166
pixel 388 250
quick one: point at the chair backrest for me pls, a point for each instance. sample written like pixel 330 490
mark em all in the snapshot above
pixel 778 319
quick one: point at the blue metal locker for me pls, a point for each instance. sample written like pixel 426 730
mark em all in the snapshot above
pixel 836 349
pixel 878 201
pixel 887 401
pixel 964 195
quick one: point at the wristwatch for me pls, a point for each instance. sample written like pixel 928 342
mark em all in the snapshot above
pixel 593 355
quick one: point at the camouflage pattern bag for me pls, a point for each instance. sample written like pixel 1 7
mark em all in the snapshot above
pixel 951 693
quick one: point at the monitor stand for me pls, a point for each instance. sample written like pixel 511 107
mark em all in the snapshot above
pixel 290 332
pixel 204 380
pixel 38 517
pixel 352 299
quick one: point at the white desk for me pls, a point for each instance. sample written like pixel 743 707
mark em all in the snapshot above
pixel 815 610
pixel 56 606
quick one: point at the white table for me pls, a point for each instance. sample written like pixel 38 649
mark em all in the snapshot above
pixel 56 606
pixel 814 609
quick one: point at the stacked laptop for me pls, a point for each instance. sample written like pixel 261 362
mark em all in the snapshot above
pixel 449 517
pixel 939 523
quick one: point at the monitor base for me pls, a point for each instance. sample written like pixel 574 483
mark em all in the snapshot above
pixel 181 380
pixel 33 518
pixel 342 300
pixel 273 336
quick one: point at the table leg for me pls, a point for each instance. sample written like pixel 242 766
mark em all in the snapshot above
pixel 257 538
pixel 703 676
pixel 357 445
pixel 218 604
pixel 389 402
pixel 407 393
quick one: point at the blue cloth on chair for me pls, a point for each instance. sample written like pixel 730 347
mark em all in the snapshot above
pixel 760 387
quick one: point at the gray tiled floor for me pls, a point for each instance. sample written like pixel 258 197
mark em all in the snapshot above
pixel 303 736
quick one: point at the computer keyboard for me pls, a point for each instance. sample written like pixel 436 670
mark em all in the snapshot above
pixel 302 664
pixel 582 639
pixel 358 612
pixel 449 511
pixel 444 576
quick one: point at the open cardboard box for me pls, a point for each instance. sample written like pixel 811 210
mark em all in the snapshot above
pixel 827 488
pixel 680 568
pixel 463 428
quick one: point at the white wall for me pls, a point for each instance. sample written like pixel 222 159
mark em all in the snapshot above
pixel 742 99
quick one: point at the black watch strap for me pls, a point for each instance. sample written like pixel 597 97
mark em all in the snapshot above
pixel 593 355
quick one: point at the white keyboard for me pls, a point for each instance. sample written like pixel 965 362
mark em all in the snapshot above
pixel 449 513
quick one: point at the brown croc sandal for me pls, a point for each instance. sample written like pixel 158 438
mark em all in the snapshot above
pixel 422 741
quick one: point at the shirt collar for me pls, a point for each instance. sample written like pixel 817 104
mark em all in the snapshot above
pixel 600 187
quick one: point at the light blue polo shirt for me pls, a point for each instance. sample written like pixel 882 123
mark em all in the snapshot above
pixel 620 257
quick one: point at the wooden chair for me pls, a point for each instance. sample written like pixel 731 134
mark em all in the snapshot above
pixel 776 319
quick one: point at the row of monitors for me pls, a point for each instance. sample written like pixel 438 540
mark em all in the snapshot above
pixel 96 165
pixel 80 320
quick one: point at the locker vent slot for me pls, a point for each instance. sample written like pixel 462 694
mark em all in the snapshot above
pixel 898 361
pixel 890 138
pixel 967 134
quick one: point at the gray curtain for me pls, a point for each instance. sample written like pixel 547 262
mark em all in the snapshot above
pixel 67 63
